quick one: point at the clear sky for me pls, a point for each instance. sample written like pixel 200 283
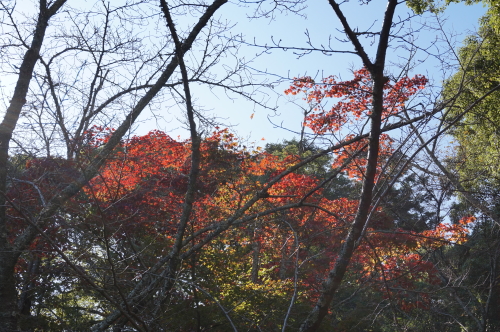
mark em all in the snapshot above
pixel 277 67
pixel 323 27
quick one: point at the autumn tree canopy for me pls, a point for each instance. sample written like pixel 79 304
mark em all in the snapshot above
pixel 369 219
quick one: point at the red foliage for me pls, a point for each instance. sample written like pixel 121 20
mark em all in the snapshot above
pixel 141 191
pixel 354 98
pixel 352 106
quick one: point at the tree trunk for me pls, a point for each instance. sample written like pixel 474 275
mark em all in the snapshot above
pixel 8 294
pixel 336 275
pixel 9 311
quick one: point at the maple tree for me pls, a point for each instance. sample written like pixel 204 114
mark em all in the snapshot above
pixel 138 198
pixel 131 233
pixel 136 202
pixel 280 246
pixel 352 104
pixel 144 206
pixel 75 90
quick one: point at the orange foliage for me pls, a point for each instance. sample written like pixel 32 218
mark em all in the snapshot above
pixel 142 191
pixel 354 98
pixel 352 106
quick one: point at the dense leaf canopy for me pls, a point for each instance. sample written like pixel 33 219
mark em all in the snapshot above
pixel 381 215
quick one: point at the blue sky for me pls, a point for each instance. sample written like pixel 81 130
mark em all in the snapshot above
pixel 322 26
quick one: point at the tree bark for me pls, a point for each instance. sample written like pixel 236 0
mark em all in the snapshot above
pixel 8 294
pixel 336 275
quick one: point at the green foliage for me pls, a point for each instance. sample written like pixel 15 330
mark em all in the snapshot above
pixel 472 268
pixel 420 6
pixel 406 204
pixel 341 186
pixel 478 132
pixel 319 167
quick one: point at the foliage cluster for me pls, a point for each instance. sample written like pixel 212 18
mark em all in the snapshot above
pixel 360 224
